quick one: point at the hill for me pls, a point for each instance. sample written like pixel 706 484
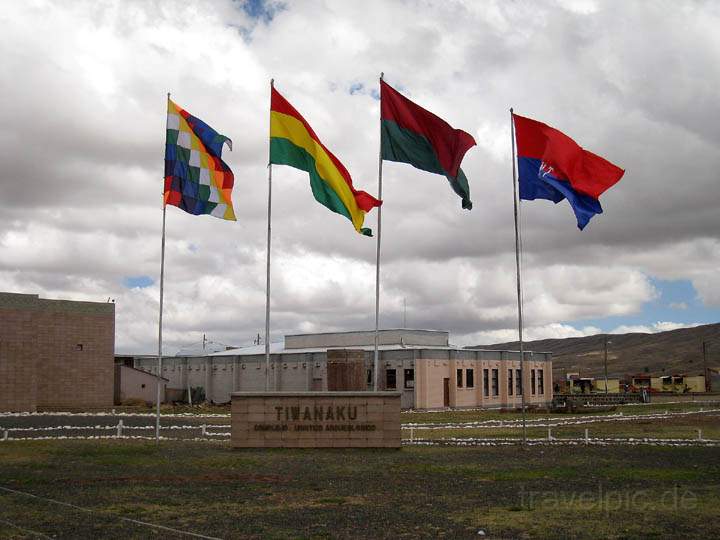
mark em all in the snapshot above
pixel 674 351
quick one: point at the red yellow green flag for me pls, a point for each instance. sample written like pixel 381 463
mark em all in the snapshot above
pixel 293 142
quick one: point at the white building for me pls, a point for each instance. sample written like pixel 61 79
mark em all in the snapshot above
pixel 429 371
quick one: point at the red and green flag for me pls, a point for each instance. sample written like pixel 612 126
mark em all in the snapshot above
pixel 293 142
pixel 411 134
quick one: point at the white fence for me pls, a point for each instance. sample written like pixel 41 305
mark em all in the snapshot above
pixel 412 432
pixel 116 431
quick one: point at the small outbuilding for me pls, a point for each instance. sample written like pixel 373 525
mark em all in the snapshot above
pixel 137 384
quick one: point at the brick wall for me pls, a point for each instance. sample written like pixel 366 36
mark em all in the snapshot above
pixel 346 370
pixel 18 350
pixel 55 353
pixel 315 419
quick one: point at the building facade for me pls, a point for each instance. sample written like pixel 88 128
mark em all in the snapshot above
pixel 55 353
pixel 430 373
pixel 677 384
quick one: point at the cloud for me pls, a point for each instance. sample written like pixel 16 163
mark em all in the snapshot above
pixel 532 333
pixel 81 141
pixel 660 326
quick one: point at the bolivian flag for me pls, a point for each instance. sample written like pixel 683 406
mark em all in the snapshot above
pixel 293 142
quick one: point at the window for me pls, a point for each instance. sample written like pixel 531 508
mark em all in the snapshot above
pixel 495 382
pixel 409 378
pixel 470 378
pixel 541 381
pixel 459 378
pixel 486 383
pixel 390 379
pixel 510 385
pixel 532 382
pixel 369 380
pixel 518 383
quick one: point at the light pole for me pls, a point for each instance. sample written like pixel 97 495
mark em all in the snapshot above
pixel 606 377
pixel 705 369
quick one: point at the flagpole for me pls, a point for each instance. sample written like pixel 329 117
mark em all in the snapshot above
pixel 160 318
pixel 267 276
pixel 519 279
pixel 376 356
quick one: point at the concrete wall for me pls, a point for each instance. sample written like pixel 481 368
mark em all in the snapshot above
pixel 219 376
pixel 399 361
pixel 316 419
pixel 131 383
pixel 56 353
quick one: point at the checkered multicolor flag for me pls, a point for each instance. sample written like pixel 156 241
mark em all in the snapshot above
pixel 196 178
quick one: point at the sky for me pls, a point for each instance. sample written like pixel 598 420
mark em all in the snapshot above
pixel 82 136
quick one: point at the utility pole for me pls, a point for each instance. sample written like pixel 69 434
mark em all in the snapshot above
pixel 606 350
pixel 705 369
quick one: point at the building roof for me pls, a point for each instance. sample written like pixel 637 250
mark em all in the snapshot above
pixel 393 339
pixel 199 349
pixel 279 348
pixel 361 338
pixel 147 373
pixel 33 302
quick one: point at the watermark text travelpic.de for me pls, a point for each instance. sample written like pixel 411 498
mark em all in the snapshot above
pixel 609 500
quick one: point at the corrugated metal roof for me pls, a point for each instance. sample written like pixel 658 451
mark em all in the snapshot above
pixel 279 348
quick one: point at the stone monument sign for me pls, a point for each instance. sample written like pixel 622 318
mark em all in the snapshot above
pixel 315 419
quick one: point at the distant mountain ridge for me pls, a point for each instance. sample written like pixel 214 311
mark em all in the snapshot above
pixel 663 353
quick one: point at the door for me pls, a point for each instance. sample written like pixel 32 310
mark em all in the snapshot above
pixel 446 392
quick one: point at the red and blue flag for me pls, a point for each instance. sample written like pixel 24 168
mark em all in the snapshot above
pixel 552 166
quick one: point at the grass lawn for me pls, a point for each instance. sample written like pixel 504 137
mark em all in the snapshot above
pixel 678 427
pixel 474 415
pixel 209 488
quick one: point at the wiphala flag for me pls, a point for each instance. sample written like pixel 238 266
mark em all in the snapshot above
pixel 196 178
